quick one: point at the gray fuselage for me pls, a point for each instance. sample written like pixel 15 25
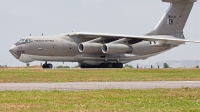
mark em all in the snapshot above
pixel 63 48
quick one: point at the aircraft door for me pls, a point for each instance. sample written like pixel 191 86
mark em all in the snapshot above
pixel 53 50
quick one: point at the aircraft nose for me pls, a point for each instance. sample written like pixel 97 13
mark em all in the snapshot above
pixel 13 49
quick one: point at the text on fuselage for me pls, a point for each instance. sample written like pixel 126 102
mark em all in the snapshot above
pixel 43 40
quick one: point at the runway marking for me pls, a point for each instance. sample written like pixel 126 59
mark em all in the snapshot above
pixel 77 86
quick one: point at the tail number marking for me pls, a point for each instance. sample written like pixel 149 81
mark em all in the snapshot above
pixel 170 21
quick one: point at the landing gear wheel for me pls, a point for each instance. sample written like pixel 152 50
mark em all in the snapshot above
pixel 109 65
pixel 50 65
pixel 120 65
pixel 44 66
pixel 83 66
pixel 47 66
pixel 117 65
pixel 103 65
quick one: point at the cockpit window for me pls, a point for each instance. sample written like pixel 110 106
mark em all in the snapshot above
pixel 24 41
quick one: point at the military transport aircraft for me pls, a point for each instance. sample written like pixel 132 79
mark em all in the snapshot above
pixel 107 50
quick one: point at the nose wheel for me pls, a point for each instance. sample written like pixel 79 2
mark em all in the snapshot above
pixel 49 65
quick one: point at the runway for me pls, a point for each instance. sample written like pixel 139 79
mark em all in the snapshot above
pixel 78 86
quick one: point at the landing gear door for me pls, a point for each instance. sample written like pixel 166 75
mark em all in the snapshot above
pixel 52 50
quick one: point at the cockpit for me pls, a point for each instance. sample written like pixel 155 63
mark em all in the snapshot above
pixel 24 41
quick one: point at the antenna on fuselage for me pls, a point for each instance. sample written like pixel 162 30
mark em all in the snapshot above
pixel 30 34
pixel 42 34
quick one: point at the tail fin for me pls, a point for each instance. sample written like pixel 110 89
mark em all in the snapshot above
pixel 174 20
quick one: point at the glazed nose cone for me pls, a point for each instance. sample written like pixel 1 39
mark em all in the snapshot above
pixel 13 49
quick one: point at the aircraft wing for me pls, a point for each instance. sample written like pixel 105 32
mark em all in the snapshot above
pixel 144 37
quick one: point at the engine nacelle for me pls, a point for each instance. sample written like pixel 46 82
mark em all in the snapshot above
pixel 90 47
pixel 116 48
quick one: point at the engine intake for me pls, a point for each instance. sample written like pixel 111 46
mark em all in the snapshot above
pixel 90 47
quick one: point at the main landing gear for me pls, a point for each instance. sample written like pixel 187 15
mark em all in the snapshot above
pixel 104 65
pixel 49 65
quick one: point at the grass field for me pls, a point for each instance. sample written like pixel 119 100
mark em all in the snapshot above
pixel 97 75
pixel 155 100
pixel 152 100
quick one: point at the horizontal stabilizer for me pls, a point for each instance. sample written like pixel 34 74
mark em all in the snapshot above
pixel 179 1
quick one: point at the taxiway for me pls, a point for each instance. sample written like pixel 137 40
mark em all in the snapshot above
pixel 77 86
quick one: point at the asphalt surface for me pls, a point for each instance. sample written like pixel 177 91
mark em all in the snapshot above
pixel 77 86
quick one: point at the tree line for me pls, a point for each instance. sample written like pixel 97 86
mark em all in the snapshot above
pixel 165 65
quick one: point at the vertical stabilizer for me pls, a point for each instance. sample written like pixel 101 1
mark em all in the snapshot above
pixel 174 20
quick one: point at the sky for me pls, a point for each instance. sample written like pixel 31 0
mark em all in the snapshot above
pixel 20 18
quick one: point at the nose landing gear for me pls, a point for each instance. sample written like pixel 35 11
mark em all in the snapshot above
pixel 49 65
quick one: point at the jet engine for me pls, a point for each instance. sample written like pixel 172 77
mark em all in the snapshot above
pixel 90 47
pixel 116 48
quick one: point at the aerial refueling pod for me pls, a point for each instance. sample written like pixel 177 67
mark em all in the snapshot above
pixel 90 47
pixel 116 48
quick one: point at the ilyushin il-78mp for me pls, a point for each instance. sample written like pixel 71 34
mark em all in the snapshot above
pixel 94 50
